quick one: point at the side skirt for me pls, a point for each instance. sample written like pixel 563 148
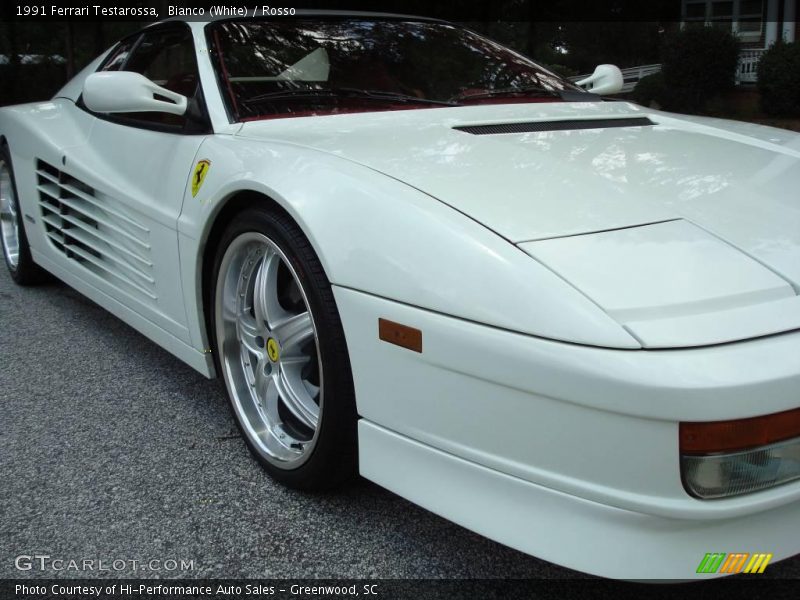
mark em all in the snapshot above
pixel 199 361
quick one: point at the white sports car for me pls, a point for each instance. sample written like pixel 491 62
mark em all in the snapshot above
pixel 567 323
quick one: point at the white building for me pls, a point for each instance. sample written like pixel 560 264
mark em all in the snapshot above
pixel 757 23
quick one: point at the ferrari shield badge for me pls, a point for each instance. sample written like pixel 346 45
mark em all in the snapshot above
pixel 199 175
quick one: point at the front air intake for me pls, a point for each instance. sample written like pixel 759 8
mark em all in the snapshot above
pixel 564 125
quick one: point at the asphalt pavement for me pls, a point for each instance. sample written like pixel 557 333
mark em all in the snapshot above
pixel 112 449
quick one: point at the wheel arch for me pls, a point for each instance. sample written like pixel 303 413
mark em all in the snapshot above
pixel 224 212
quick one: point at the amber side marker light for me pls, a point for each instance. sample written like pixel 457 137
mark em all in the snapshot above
pixel 400 335
pixel 727 458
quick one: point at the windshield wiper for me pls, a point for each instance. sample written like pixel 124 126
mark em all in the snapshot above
pixel 531 90
pixel 379 95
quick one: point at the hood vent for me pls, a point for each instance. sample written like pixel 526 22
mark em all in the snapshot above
pixel 565 125
pixel 95 231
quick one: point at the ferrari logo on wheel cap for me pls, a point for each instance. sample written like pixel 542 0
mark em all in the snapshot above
pixel 273 350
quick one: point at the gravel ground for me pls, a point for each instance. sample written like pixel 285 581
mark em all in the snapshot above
pixel 111 448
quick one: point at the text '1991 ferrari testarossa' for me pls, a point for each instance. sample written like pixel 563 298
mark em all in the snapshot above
pixel 568 323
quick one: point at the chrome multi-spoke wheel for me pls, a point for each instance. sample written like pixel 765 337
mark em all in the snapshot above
pixel 9 217
pixel 269 349
pixel 279 344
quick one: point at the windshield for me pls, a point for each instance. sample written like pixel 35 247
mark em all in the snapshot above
pixel 323 66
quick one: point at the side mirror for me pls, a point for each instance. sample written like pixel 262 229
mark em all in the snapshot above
pixel 606 79
pixel 125 92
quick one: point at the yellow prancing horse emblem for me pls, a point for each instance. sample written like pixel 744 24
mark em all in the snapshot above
pixel 199 175
pixel 273 351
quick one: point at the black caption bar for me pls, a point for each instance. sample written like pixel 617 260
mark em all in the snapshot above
pixel 456 10
pixel 369 589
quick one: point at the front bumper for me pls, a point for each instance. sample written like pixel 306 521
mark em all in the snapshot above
pixel 574 532
pixel 594 429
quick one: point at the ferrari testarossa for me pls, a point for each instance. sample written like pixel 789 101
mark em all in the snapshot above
pixel 567 322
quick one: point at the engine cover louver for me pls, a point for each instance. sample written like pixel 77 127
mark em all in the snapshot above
pixel 564 125
pixel 96 231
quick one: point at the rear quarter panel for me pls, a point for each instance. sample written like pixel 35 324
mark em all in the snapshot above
pixel 41 130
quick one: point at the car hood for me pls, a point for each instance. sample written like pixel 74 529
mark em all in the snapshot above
pixel 539 172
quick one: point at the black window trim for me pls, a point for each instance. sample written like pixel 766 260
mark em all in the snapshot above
pixel 202 127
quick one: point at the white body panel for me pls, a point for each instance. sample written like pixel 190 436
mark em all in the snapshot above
pixel 529 186
pixel 584 535
pixel 565 452
pixel 132 171
pixel 730 194
pixel 430 255
pixel 539 413
pixel 673 284
pixel 507 401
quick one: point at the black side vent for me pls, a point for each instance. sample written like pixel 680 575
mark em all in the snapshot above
pixel 566 125
pixel 95 231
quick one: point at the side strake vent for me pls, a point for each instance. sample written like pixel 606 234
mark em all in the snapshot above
pixel 565 125
pixel 95 231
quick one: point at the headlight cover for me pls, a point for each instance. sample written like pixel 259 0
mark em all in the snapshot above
pixel 728 458
pixel 732 474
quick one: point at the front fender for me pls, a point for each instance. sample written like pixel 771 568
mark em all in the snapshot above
pixel 378 235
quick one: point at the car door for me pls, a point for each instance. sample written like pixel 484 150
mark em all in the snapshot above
pixel 131 177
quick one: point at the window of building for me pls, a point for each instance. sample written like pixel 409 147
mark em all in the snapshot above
pixel 742 17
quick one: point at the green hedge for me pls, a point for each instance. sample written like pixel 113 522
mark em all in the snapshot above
pixel 650 89
pixel 699 63
pixel 779 80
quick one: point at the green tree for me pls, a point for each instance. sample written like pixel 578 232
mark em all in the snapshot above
pixel 699 64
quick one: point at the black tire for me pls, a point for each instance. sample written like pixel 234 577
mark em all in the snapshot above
pixel 25 272
pixel 333 459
